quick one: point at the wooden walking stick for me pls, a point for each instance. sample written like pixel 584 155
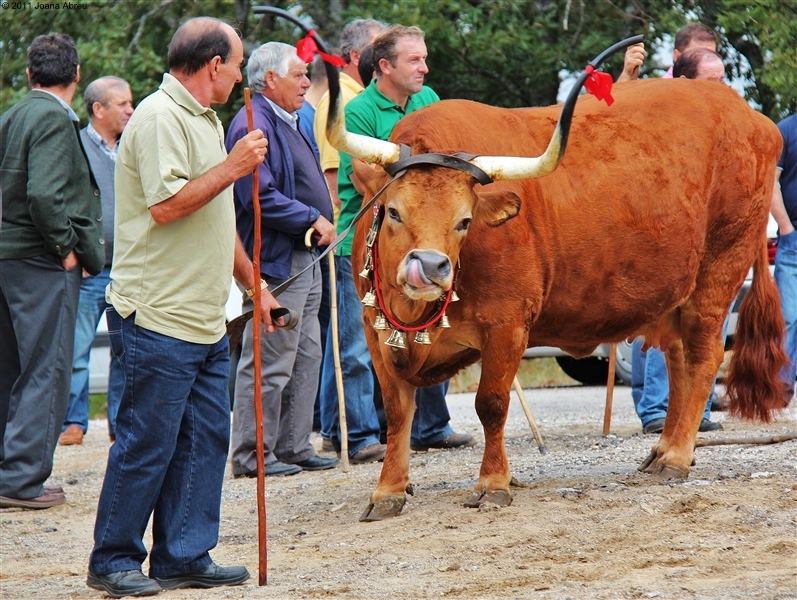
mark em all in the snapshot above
pixel 344 430
pixel 607 412
pixel 532 423
pixel 256 319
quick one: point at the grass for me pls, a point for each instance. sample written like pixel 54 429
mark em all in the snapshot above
pixel 98 405
pixel 532 373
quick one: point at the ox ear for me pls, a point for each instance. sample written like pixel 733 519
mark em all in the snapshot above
pixel 366 177
pixel 496 208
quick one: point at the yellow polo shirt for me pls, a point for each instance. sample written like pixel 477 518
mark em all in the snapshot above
pixel 175 277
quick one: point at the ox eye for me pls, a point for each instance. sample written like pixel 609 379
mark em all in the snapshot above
pixel 463 225
pixel 393 213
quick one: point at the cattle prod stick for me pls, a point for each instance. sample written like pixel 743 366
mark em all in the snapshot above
pixel 258 399
pixel 607 411
pixel 764 439
pixel 532 423
pixel 344 429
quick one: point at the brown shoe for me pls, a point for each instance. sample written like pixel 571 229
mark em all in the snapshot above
pixel 71 436
pixel 46 500
pixel 369 454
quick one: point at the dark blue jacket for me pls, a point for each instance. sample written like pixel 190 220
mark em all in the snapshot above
pixel 284 220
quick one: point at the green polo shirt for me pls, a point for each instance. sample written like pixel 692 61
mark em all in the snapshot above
pixel 175 277
pixel 370 113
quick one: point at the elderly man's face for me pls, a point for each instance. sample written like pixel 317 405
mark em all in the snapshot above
pixel 711 70
pixel 288 92
pixel 116 113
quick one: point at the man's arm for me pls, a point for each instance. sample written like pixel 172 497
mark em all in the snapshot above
pixel 634 57
pixel 331 175
pixel 244 273
pixel 778 209
pixel 247 153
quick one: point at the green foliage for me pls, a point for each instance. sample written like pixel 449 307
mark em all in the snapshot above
pixel 501 52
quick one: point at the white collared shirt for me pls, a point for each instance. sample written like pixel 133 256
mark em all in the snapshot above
pixel 291 119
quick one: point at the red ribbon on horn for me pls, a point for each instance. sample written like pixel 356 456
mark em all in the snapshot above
pixel 599 84
pixel 306 49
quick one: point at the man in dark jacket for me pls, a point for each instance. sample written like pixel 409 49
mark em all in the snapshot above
pixel 51 231
pixel 293 198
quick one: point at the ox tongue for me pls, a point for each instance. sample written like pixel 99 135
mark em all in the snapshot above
pixel 415 276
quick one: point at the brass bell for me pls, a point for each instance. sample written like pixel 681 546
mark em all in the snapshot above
pixel 369 299
pixel 443 322
pixel 366 272
pixel 423 337
pixel 397 339
pixel 380 323
pixel 454 297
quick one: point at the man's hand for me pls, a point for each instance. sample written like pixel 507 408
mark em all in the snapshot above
pixel 247 153
pixel 70 261
pixel 634 57
pixel 325 230
pixel 267 303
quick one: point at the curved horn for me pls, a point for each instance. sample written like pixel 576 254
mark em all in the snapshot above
pixel 360 146
pixel 518 167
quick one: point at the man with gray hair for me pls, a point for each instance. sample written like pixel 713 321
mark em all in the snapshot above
pixel 293 198
pixel 109 104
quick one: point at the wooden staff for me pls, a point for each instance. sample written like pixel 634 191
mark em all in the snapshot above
pixel 532 423
pixel 256 319
pixel 344 430
pixel 607 412
pixel 775 439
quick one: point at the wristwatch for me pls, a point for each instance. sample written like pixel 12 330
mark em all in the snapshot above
pixel 263 286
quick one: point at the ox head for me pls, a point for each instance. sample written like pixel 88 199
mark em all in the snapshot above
pixel 425 217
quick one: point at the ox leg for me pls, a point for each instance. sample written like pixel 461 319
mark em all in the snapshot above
pixel 389 497
pixel 492 405
pixel 692 364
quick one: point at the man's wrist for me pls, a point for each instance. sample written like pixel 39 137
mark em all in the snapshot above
pixel 251 291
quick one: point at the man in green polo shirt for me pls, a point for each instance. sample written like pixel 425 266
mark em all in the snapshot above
pixel 399 58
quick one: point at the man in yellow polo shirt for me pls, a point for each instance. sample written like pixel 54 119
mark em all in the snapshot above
pixel 175 250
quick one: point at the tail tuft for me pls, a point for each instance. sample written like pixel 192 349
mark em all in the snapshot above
pixel 754 383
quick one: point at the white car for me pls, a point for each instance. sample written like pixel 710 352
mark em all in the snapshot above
pixel 594 369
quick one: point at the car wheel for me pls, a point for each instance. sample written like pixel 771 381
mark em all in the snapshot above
pixel 592 370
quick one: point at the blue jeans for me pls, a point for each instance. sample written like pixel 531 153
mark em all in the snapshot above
pixel 355 361
pixel 786 278
pixel 650 384
pixel 173 433
pixel 430 423
pixel 90 308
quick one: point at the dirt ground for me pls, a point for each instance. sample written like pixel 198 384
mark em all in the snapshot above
pixel 587 526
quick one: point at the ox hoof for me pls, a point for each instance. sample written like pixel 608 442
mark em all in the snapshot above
pixel 495 497
pixel 384 509
pixel 661 471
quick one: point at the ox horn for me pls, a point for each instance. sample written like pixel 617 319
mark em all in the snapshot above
pixel 517 167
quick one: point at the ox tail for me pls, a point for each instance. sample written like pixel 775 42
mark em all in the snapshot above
pixel 754 383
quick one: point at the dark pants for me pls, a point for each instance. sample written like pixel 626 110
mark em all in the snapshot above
pixel 38 308
pixel 172 436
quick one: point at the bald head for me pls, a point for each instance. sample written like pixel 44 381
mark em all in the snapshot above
pixel 699 63
pixel 197 41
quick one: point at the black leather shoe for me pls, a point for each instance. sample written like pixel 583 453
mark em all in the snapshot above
pixel 273 469
pixel 706 425
pixel 211 576
pixel 654 426
pixel 455 440
pixel 123 583
pixel 317 463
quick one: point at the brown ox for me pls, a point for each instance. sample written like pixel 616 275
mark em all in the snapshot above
pixel 647 227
